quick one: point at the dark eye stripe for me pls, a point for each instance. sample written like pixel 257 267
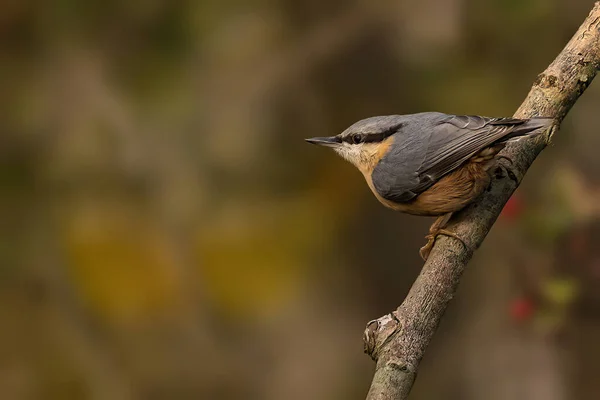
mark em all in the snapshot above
pixel 374 137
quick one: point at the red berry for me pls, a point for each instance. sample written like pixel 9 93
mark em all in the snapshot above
pixel 521 309
pixel 513 208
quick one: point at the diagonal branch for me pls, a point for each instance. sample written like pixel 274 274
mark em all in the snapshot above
pixel 398 340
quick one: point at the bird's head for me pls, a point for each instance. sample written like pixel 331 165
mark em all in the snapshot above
pixel 365 142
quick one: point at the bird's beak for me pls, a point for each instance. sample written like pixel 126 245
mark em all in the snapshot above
pixel 331 141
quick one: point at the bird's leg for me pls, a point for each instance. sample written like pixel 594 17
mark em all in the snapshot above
pixel 438 229
pixel 435 227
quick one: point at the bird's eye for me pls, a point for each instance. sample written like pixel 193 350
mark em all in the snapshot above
pixel 357 138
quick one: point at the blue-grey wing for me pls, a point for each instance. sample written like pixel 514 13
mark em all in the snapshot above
pixel 436 145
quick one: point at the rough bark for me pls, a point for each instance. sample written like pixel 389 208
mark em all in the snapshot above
pixel 398 340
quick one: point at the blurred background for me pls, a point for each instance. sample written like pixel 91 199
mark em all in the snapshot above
pixel 167 233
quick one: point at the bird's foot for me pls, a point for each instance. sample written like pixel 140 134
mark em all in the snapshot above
pixel 503 171
pixel 425 250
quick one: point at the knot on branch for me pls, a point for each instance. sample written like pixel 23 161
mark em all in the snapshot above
pixel 545 81
pixel 380 331
pixel 403 367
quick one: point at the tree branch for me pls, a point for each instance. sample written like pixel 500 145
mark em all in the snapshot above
pixel 398 340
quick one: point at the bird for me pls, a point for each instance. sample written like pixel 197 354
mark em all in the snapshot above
pixel 430 163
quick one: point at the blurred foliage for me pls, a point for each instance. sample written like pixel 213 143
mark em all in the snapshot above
pixel 108 247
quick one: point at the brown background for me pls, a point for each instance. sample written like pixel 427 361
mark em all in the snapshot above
pixel 167 233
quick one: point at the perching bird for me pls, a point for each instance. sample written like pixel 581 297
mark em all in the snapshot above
pixel 430 163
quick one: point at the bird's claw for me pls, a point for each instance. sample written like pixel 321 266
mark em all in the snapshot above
pixel 503 171
pixel 510 169
pixel 426 250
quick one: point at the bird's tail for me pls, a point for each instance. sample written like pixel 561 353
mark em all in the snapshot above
pixel 530 127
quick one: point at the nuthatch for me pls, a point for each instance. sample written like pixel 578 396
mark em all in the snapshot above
pixel 430 163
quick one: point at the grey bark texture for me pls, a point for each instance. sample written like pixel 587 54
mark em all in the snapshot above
pixel 397 341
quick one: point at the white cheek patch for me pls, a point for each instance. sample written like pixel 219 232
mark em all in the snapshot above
pixel 351 153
